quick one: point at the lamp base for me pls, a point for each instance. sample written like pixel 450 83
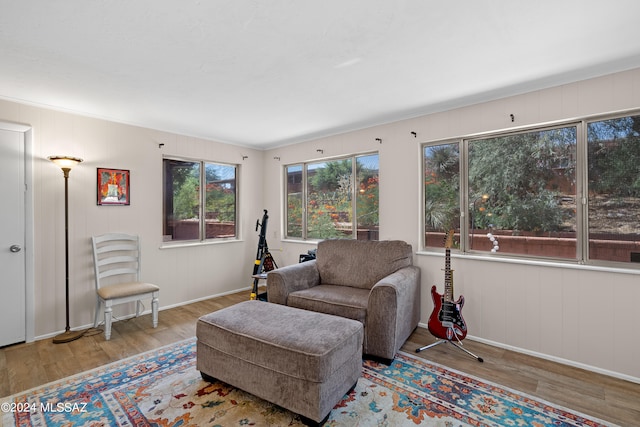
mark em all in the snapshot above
pixel 67 336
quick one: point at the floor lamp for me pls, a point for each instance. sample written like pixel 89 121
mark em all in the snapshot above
pixel 66 163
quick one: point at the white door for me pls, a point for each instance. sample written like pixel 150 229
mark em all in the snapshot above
pixel 12 238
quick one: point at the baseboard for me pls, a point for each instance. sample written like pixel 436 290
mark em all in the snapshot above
pixel 550 358
pixel 132 315
pixel 235 291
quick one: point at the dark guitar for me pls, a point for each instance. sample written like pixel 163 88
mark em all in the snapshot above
pixel 446 320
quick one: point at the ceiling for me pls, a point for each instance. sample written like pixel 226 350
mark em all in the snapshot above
pixel 269 73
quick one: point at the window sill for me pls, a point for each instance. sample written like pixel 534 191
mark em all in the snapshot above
pixel 537 262
pixel 190 244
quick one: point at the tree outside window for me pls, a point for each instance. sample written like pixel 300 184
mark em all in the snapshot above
pixel 524 184
pixel 340 199
pixel 441 191
pixel 199 200
pixel 529 192
pixel 520 186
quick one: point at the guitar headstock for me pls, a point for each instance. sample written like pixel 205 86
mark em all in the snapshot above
pixel 448 243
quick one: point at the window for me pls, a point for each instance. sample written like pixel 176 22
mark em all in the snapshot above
pixel 441 191
pixel 199 200
pixel 521 192
pixel 614 189
pixel 335 198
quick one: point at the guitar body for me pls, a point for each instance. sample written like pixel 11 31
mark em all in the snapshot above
pixel 446 318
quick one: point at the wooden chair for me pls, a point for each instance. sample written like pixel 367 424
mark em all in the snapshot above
pixel 116 260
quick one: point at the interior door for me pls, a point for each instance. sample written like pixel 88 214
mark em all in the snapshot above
pixel 12 238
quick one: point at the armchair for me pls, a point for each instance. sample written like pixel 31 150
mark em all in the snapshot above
pixel 374 282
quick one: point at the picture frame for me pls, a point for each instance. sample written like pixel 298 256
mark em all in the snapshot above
pixel 113 187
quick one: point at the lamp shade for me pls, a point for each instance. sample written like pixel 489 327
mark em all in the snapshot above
pixel 65 162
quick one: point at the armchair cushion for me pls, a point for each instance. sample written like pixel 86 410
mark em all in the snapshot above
pixel 343 301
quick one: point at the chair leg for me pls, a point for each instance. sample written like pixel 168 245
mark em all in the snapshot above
pixel 107 320
pixel 154 310
pixel 138 308
pixel 96 319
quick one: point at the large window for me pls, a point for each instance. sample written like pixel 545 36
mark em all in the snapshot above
pixel 568 192
pixel 335 198
pixel 199 200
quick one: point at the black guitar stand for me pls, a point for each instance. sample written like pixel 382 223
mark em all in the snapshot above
pixel 457 345
pixel 264 261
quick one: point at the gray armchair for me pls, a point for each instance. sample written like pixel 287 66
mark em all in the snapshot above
pixel 374 282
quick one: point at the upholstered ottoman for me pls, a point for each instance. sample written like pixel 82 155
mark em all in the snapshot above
pixel 301 360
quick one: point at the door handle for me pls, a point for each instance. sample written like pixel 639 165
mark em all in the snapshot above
pixel 15 248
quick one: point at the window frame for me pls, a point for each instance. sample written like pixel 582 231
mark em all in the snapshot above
pixel 304 190
pixel 581 189
pixel 202 210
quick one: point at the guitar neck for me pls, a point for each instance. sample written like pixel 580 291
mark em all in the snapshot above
pixel 448 277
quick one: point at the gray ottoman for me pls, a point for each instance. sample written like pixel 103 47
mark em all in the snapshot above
pixel 301 360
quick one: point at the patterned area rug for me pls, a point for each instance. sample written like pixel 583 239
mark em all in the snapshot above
pixel 163 388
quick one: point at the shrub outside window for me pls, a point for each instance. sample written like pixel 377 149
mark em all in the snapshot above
pixel 522 190
pixel 335 198
pixel 568 192
pixel 199 200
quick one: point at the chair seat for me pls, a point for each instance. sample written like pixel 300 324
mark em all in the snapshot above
pixel 342 301
pixel 121 290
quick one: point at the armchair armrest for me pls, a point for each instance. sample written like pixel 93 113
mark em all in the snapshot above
pixel 393 312
pixel 282 281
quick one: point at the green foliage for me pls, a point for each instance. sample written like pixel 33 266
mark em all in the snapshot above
pixel 367 195
pixel 518 173
pixel 515 181
pixel 614 157
pixel 220 198
pixel 330 192
pixel 221 203
pixel 442 187
pixel 326 177
pixel 186 200
pixel 294 215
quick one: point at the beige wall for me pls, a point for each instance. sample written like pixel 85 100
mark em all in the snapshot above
pixel 585 317
pixel 577 315
pixel 184 274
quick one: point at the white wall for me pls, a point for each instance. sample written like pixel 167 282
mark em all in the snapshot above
pixel 184 274
pixel 581 316
pixel 578 315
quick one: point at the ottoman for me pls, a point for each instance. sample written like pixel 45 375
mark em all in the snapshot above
pixel 300 360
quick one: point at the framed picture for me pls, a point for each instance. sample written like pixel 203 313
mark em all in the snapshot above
pixel 113 187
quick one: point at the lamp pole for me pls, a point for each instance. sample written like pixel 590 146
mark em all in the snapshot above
pixel 65 163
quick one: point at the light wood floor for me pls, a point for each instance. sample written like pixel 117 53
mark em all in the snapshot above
pixel 24 366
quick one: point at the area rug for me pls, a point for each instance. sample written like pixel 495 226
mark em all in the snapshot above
pixel 163 388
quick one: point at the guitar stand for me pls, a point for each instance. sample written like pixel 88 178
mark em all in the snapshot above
pixel 458 345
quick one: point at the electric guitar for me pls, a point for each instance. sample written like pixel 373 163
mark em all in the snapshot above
pixel 446 320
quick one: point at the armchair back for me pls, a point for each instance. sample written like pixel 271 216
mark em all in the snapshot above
pixel 360 264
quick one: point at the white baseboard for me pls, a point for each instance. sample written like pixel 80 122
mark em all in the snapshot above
pixel 551 358
pixel 132 315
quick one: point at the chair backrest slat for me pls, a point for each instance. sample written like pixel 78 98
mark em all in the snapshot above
pixel 120 259
pixel 116 245
pixel 116 254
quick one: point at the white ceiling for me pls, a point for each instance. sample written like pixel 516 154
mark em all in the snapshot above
pixel 274 72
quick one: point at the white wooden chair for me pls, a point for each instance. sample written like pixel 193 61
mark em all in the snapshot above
pixel 116 260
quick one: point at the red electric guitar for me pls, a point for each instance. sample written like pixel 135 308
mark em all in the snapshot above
pixel 446 320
